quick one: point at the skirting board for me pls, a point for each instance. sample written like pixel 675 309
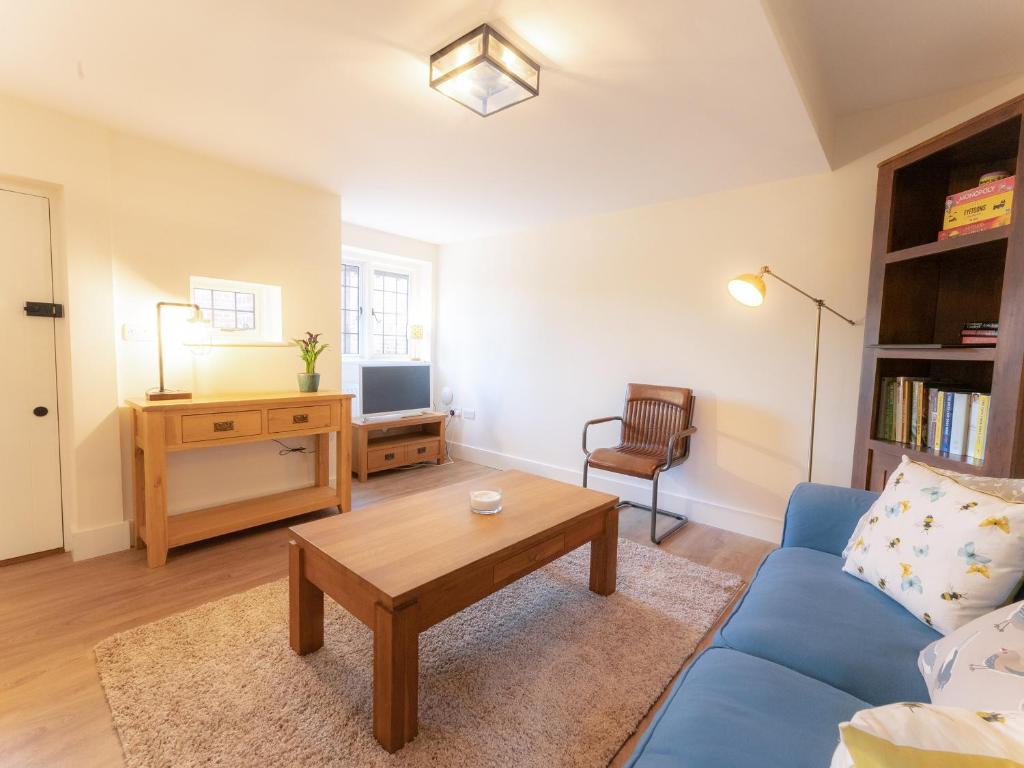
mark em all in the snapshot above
pixel 100 541
pixel 736 520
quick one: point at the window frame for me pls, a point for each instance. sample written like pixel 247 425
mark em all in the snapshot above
pixel 369 265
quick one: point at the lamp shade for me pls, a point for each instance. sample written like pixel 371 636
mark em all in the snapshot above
pixel 416 332
pixel 747 289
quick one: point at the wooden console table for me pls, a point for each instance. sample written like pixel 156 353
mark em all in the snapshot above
pixel 397 442
pixel 160 427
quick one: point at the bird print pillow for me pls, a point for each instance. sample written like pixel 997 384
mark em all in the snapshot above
pixel 981 665
pixel 945 552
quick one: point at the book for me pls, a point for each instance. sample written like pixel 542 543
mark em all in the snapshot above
pixel 978 226
pixel 979 340
pixel 947 421
pixel 981 433
pixel 933 417
pixel 974 413
pixel 979 332
pixel 881 409
pixel 986 326
pixel 915 415
pixel 959 423
pixel 981 203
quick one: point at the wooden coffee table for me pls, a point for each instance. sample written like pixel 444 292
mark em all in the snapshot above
pixel 404 565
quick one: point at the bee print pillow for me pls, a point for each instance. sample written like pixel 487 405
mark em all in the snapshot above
pixel 981 665
pixel 945 552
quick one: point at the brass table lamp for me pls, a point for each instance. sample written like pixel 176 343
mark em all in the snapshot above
pixel 162 393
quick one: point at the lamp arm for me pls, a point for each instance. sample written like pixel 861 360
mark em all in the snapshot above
pixel 820 302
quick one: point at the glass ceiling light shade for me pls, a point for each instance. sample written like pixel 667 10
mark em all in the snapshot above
pixel 485 72
pixel 748 289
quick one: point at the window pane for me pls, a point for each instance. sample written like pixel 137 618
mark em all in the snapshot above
pixel 223 299
pixel 203 297
pixel 245 301
pixel 246 321
pixel 224 319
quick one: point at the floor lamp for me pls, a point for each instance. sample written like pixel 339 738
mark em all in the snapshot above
pixel 750 290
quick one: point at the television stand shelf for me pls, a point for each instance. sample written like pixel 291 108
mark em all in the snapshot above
pixel 397 442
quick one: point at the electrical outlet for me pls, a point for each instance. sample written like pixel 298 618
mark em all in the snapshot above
pixel 468 414
pixel 132 332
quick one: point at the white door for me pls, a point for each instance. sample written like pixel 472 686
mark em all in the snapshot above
pixel 30 499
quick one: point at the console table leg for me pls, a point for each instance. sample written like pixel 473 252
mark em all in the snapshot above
pixel 305 606
pixel 154 470
pixel 604 555
pixel 323 459
pixel 395 676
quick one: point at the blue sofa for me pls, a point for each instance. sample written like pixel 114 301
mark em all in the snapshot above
pixel 806 647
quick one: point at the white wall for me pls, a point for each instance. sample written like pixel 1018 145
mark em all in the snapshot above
pixel 133 219
pixel 541 330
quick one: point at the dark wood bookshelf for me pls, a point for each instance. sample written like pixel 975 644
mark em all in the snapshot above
pixel 923 290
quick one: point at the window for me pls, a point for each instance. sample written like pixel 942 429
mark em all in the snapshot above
pixel 351 308
pixel 238 312
pixel 383 296
pixel 227 310
pixel 390 313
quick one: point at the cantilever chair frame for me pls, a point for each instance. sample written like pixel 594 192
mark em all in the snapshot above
pixel 669 462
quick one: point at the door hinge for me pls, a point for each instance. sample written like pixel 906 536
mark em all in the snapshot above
pixel 43 309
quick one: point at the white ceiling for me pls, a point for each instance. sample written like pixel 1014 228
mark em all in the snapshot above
pixel 872 53
pixel 640 102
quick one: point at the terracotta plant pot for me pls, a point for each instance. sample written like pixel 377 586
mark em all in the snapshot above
pixel 309 382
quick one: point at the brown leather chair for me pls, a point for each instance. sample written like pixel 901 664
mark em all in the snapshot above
pixel 656 430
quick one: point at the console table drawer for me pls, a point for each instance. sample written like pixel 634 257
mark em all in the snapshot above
pixel 218 426
pixel 382 458
pixel 301 417
pixel 426 450
pixel 534 557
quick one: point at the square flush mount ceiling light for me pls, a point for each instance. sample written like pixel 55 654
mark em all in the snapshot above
pixel 484 71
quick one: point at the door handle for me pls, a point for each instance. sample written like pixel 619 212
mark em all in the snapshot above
pixel 40 410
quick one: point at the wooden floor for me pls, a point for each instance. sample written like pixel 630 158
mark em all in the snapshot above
pixel 53 611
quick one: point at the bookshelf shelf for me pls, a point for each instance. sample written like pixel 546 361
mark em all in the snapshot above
pixel 963 243
pixel 972 354
pixel 935 458
pixel 922 291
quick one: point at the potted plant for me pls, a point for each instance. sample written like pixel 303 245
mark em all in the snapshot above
pixel 310 349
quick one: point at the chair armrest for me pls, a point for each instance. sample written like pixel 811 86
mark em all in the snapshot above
pixel 823 517
pixel 591 423
pixel 670 454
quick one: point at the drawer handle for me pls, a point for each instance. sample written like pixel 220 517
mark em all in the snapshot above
pixel 224 426
pixel 421 449
pixel 389 456
pixel 300 418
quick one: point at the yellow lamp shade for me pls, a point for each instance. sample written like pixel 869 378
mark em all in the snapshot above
pixel 416 332
pixel 748 290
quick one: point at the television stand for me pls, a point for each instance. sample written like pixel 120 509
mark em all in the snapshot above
pixel 397 442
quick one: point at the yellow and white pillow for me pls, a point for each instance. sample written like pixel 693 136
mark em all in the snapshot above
pixel 945 552
pixel 926 736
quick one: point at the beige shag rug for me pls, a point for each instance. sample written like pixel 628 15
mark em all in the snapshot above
pixel 542 673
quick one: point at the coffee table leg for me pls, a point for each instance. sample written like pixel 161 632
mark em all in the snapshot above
pixel 305 605
pixel 604 554
pixel 395 676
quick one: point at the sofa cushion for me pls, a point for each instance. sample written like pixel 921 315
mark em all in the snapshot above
pixel 803 612
pixel 730 709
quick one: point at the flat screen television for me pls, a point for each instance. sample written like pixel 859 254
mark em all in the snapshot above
pixel 388 388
